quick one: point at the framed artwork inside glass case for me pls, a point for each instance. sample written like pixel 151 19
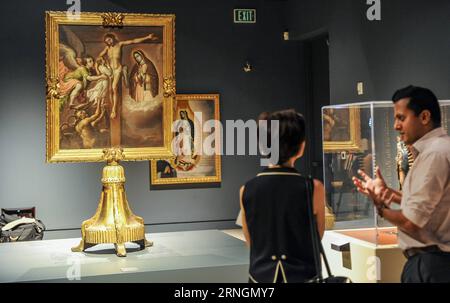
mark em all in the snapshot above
pixel 341 128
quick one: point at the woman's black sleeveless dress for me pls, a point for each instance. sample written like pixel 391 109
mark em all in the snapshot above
pixel 277 218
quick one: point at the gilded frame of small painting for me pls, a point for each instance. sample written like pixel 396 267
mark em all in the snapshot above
pixel 341 129
pixel 192 166
pixel 110 83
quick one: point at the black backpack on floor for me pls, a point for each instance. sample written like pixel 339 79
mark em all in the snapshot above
pixel 21 232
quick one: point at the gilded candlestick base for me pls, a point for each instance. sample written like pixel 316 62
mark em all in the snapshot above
pixel 113 222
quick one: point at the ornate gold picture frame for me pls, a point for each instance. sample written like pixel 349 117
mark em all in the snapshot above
pixel 110 83
pixel 192 165
pixel 341 129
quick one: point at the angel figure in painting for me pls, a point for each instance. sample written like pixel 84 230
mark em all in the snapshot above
pixel 143 77
pixel 74 75
pixel 113 55
pixel 100 90
pixel 75 70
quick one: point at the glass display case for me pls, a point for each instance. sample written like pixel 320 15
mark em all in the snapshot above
pixel 362 136
pixel 357 136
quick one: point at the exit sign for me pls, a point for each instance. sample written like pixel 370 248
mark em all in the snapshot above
pixel 244 15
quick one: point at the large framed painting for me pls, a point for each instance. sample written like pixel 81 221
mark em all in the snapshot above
pixel 341 129
pixel 196 143
pixel 110 83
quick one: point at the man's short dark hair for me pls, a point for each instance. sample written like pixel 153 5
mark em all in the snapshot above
pixel 420 99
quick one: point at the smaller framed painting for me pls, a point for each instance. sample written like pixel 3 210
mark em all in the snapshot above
pixel 197 132
pixel 341 129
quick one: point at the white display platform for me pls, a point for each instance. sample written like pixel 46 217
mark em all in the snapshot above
pixel 369 262
pixel 363 261
pixel 179 257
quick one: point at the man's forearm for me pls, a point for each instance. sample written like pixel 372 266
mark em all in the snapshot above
pixel 397 218
pixel 394 216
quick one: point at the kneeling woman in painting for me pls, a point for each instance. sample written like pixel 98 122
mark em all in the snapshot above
pixel 275 214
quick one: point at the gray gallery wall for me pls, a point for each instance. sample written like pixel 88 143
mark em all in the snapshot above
pixel 210 51
pixel 409 45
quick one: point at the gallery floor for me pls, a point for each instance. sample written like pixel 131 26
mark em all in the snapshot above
pixel 180 257
pixel 218 256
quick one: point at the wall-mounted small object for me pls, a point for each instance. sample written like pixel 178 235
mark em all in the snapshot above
pixel 247 67
pixel 286 35
pixel 360 88
pixel 244 15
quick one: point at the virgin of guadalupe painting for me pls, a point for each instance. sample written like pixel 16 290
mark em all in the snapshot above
pixel 110 83
pixel 192 163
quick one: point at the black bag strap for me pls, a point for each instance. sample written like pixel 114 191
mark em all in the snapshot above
pixel 318 250
pixel 324 256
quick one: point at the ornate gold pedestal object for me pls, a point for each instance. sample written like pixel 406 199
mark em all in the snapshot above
pixel 113 221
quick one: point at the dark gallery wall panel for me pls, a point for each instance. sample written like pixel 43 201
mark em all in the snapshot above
pixel 409 45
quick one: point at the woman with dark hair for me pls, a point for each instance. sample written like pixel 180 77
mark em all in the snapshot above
pixel 275 217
